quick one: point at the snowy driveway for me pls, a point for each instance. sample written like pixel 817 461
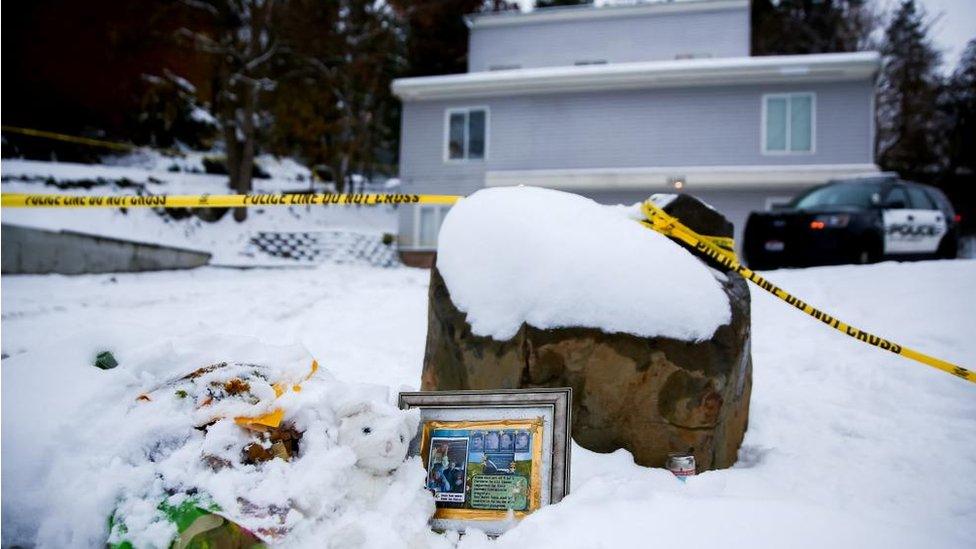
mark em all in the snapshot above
pixel 847 446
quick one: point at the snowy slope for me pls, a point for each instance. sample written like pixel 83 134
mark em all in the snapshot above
pixel 847 446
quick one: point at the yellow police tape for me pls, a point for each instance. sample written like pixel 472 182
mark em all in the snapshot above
pixel 720 249
pixel 75 139
pixel 10 200
pixel 665 224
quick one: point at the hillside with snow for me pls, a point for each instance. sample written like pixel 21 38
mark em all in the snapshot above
pixel 230 243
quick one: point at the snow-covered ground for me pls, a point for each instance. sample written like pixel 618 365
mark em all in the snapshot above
pixel 847 446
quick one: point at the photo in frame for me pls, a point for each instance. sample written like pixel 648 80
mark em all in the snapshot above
pixel 492 457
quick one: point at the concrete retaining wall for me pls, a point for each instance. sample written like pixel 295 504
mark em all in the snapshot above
pixel 25 250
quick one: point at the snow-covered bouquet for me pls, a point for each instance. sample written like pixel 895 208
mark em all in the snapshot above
pixel 270 452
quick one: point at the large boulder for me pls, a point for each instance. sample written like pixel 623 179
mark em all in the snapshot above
pixel 685 390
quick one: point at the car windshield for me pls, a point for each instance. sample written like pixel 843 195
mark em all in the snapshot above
pixel 857 194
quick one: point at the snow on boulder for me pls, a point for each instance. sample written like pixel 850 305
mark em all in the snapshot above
pixel 552 259
pixel 540 288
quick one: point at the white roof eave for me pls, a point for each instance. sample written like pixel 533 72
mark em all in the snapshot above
pixel 653 74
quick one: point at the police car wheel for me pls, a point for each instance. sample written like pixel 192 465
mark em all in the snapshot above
pixel 948 247
pixel 870 252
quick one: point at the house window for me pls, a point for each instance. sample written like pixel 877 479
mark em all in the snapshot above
pixel 788 123
pixel 429 219
pixel 467 133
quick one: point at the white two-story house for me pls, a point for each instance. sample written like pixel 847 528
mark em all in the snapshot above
pixel 620 102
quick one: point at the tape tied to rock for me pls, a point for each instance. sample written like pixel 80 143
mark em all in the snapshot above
pixel 13 200
pixel 662 222
pixel 717 248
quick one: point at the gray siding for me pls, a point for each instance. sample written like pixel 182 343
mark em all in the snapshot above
pixel 705 126
pixel 647 37
pixel 422 142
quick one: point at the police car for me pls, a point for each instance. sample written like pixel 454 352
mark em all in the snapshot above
pixel 854 221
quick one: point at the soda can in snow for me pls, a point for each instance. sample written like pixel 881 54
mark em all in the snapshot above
pixel 681 464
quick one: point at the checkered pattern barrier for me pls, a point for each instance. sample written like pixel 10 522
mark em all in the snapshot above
pixel 330 246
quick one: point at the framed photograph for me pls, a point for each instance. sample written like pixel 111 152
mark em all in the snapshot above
pixel 492 456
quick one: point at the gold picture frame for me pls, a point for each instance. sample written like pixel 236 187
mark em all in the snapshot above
pixel 492 457
pixel 534 426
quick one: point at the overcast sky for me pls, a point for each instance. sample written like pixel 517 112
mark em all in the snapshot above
pixel 955 23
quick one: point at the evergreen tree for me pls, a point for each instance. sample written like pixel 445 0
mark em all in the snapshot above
pixel 959 106
pixel 787 27
pixel 333 105
pixel 436 35
pixel 908 120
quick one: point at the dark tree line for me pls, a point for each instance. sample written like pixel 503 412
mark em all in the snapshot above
pixel 909 126
pixel 792 27
pixel 924 115
pixel 304 78
pixel 101 68
pixel 958 104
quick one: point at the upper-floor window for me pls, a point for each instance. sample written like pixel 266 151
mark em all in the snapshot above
pixel 467 133
pixel 788 123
